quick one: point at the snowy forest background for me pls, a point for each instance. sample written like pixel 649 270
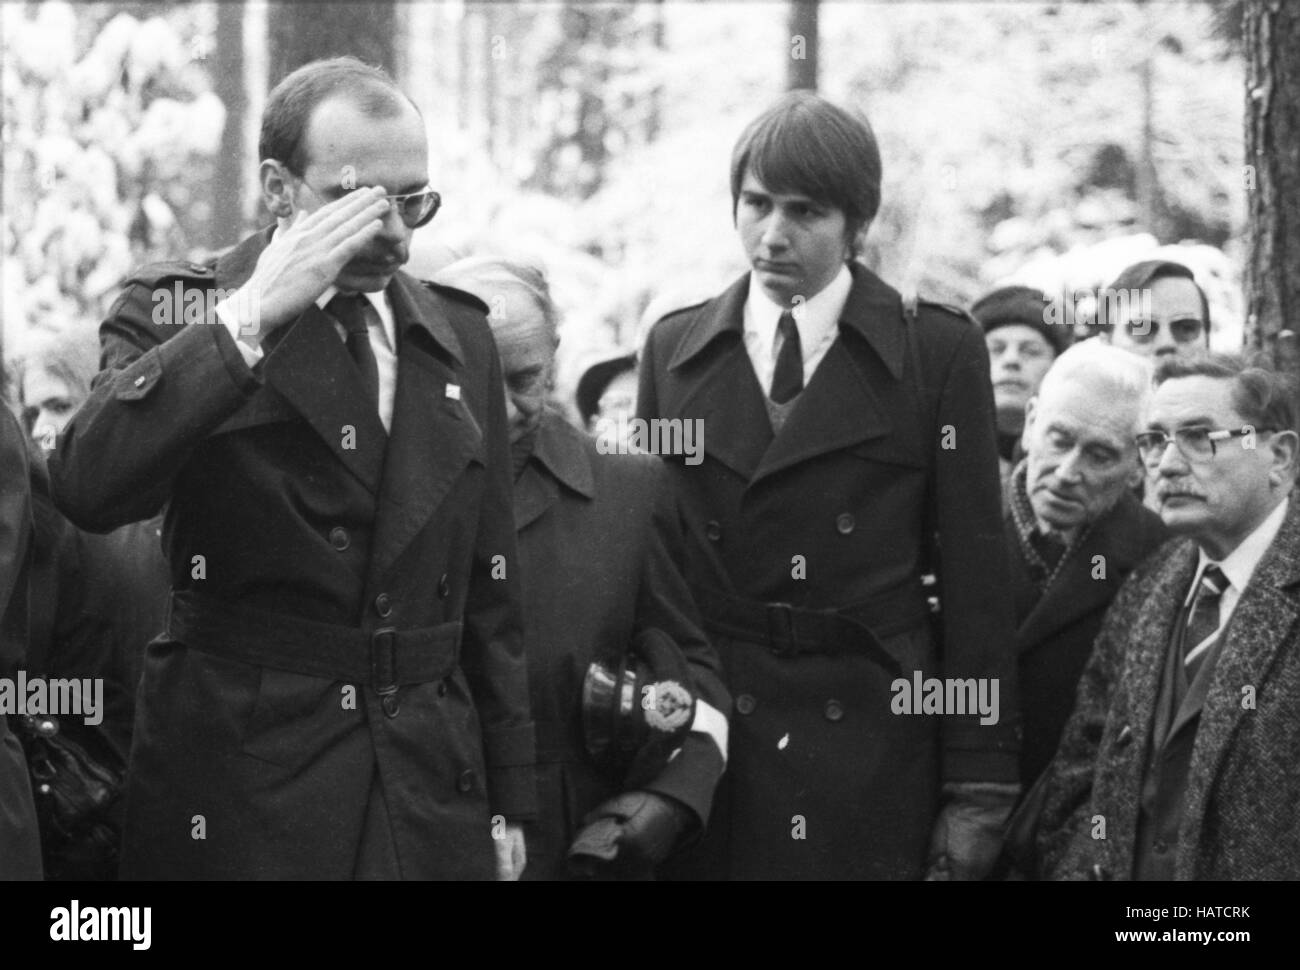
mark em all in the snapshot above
pixel 1044 143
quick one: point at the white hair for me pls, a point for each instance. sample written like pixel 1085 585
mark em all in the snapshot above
pixel 1126 375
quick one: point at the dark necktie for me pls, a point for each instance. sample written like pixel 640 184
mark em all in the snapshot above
pixel 1203 619
pixel 787 378
pixel 356 314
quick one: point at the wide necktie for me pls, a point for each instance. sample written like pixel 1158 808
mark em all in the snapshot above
pixel 357 315
pixel 787 378
pixel 1203 620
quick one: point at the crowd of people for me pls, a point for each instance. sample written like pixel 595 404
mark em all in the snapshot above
pixel 365 605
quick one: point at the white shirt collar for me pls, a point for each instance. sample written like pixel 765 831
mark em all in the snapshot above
pixel 377 300
pixel 817 318
pixel 1239 565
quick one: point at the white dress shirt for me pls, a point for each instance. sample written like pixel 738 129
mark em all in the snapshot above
pixel 817 319
pixel 1238 566
pixel 383 340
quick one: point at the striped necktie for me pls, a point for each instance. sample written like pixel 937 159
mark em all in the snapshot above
pixel 1203 618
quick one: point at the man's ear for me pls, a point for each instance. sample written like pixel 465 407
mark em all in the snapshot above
pixel 1029 423
pixel 1139 473
pixel 1284 445
pixel 273 177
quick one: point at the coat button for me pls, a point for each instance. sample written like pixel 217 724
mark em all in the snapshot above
pixel 442 687
pixel 383 605
pixel 834 711
pixel 845 522
pixel 444 587
pixel 1125 736
pixel 745 704
pixel 339 538
pixel 390 704
pixel 1161 846
pixel 713 529
pixel 465 781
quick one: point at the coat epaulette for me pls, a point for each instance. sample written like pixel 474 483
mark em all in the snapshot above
pixel 684 309
pixel 152 274
pixel 947 308
pixel 453 293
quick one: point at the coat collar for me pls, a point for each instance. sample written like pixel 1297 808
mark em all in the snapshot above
pixel 235 267
pixel 1120 537
pixel 837 409
pixel 873 309
pixel 434 434
pixel 560 457
pixel 1149 639
pixel 1263 624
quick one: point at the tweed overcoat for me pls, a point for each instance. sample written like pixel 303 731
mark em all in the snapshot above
pixel 1241 815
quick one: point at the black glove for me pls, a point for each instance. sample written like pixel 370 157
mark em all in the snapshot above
pixel 967 835
pixel 626 836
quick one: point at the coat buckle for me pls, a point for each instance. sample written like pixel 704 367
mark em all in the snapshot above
pixel 780 630
pixel 383 668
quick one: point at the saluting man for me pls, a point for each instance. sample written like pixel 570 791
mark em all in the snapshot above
pixel 841 433
pixel 341 689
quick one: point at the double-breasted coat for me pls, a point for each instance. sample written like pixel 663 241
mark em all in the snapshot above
pixel 1241 807
pixel 598 536
pixel 289 504
pixel 20 841
pixel 1055 629
pixel 890 443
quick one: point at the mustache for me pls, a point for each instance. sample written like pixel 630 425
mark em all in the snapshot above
pixel 1176 491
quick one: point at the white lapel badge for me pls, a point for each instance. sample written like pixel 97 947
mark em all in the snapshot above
pixel 453 392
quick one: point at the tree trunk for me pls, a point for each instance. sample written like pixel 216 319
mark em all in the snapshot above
pixel 491 50
pixel 654 114
pixel 230 167
pixel 301 32
pixel 802 53
pixel 1272 281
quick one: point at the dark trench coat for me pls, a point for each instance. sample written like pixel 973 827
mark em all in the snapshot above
pixel 891 441
pixel 242 769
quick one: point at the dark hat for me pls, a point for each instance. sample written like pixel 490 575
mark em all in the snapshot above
pixel 1022 305
pixel 637 708
pixel 596 378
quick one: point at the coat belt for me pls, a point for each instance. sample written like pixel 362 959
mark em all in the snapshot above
pixel 790 631
pixel 385 658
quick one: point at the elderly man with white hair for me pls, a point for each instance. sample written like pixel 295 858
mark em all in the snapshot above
pixel 1075 527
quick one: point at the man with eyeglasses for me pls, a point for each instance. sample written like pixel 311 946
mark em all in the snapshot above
pixel 341 689
pixel 1155 308
pixel 1179 759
